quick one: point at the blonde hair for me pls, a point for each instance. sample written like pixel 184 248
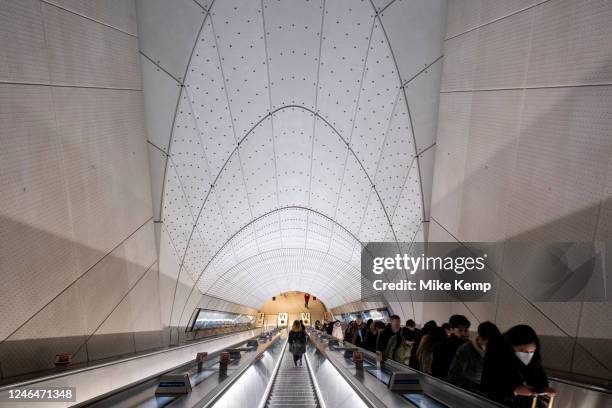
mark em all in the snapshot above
pixel 296 327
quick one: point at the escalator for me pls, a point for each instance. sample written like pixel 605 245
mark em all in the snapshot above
pixel 292 386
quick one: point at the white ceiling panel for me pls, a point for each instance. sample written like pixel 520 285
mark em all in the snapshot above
pixel 258 163
pixel 188 156
pixel 206 90
pixel 293 35
pixel 408 213
pixel 238 27
pixel 161 93
pixel 381 4
pixel 167 31
pixel 279 199
pixel 423 22
pixel 423 94
pixel 176 212
pixel 353 196
pixel 379 92
pixel 232 195
pixel 210 223
pixel 374 220
pixel 346 35
pixel 293 143
pixel 397 157
pixel 328 161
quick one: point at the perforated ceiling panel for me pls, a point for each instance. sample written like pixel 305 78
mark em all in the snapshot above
pixel 291 146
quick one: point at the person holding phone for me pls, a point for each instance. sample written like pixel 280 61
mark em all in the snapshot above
pixel 512 370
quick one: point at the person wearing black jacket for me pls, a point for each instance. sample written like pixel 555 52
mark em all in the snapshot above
pixel 512 372
pixel 427 327
pixel 372 334
pixel 356 332
pixel 411 325
pixel 330 327
pixel 297 342
pixel 392 329
pixel 444 352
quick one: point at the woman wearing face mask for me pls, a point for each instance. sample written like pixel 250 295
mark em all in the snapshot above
pixel 512 372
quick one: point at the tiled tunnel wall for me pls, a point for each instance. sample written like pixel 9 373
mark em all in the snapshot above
pixel 78 261
pixel 524 153
pixel 78 264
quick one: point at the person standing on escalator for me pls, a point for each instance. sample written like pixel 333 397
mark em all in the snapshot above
pixel 444 352
pixel 356 332
pixel 297 342
pixel 512 370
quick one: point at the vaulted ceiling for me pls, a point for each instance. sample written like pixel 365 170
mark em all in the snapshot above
pixel 284 135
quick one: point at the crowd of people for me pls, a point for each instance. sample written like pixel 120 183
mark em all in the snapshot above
pixel 506 367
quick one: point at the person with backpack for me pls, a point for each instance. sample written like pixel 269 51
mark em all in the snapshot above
pixel 297 342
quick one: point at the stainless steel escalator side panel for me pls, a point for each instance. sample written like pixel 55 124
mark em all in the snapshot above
pixel 244 381
pixel 571 396
pixel 441 391
pixel 341 385
pixel 293 385
pixel 143 392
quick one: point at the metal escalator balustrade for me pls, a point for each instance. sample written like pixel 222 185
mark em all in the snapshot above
pixel 292 386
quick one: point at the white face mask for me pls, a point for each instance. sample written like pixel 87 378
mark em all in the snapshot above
pixel 524 357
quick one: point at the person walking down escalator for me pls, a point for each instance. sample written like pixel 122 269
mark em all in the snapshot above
pixel 306 299
pixel 356 332
pixel 297 342
pixel 512 372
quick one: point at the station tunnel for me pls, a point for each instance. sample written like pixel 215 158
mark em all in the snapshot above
pixel 183 180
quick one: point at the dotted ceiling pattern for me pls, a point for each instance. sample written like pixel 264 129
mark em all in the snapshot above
pixel 291 146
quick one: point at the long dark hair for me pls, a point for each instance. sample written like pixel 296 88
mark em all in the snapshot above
pixel 296 327
pixel 521 335
pixel 427 327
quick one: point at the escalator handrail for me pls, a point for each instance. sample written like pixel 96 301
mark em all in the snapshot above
pixel 366 395
pixel 183 366
pixel 369 356
pixel 266 393
pixel 214 396
pixel 114 362
pixel 589 387
pixel 315 384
